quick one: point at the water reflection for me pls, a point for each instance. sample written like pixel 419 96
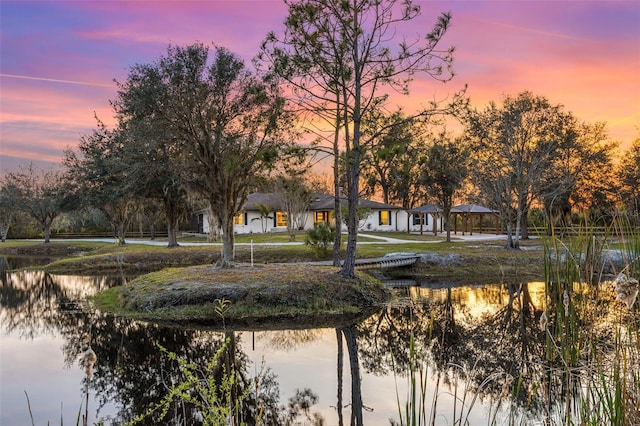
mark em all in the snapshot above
pixel 484 352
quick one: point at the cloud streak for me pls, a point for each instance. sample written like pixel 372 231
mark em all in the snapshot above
pixel 55 80
pixel 59 59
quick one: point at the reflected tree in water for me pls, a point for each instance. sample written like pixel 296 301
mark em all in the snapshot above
pixel 386 335
pixel 131 371
pixel 500 354
pixel 349 334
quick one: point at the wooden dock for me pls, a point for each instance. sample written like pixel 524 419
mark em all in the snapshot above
pixel 391 260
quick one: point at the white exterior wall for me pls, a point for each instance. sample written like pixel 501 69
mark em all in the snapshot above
pixel 254 224
pixel 400 219
pixel 372 222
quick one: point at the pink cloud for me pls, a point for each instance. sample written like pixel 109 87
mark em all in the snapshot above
pixel 584 55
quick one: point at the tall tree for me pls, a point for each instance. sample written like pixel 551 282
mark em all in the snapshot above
pixel 42 195
pixel 515 145
pixel 226 119
pixel 155 170
pixel 391 166
pixel 582 173
pixel 295 198
pixel 444 170
pixel 340 53
pixel 629 178
pixel 101 177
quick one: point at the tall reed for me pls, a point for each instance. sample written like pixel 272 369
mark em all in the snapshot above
pixel 591 338
pixel 418 408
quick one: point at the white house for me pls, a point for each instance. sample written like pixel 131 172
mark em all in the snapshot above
pixel 382 217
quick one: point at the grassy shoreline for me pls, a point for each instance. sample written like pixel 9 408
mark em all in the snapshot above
pixel 246 296
pixel 182 285
pixel 461 259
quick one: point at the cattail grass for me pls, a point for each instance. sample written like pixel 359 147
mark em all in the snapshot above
pixel 591 326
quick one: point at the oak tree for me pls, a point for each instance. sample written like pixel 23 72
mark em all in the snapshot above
pixel 445 167
pixel 514 145
pixel 225 120
pixel 40 194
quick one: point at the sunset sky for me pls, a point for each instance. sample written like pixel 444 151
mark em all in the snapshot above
pixel 58 59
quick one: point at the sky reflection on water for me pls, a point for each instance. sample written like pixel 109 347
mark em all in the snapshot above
pixel 44 327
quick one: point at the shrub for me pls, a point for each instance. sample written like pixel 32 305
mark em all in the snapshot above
pixel 321 237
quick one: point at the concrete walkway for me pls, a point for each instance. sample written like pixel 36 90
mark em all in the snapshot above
pixel 378 240
pixel 441 238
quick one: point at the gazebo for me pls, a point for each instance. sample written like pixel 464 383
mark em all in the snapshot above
pixel 469 212
pixel 421 211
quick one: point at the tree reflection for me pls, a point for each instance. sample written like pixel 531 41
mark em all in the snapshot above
pixel 340 369
pixel 488 339
pixel 507 342
pixel 132 373
pixel 349 334
pixel 386 335
pixel 31 302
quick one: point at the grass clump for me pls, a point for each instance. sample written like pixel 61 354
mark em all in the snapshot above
pixel 592 327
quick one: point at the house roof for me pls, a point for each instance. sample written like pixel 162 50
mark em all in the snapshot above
pixel 325 202
pixel 320 202
pixel 270 199
pixel 375 205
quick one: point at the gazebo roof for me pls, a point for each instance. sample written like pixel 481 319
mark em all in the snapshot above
pixel 471 208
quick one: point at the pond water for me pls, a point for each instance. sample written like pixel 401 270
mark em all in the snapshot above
pixel 469 343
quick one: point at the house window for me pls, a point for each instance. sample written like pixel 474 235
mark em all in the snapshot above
pixel 322 217
pixel 239 219
pixel 281 219
pixel 416 219
pixel 384 217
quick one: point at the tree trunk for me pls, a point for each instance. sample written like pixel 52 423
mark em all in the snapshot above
pixel 353 178
pixel 47 233
pixel 348 267
pixel 172 233
pixel 337 212
pixel 356 389
pixel 121 233
pixel 516 234
pixel 214 225
pixel 446 212
pixel 4 230
pixel 340 369
pixel 524 231
pixel 172 224
pixel 228 254
pixel 353 156
pixel 509 234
